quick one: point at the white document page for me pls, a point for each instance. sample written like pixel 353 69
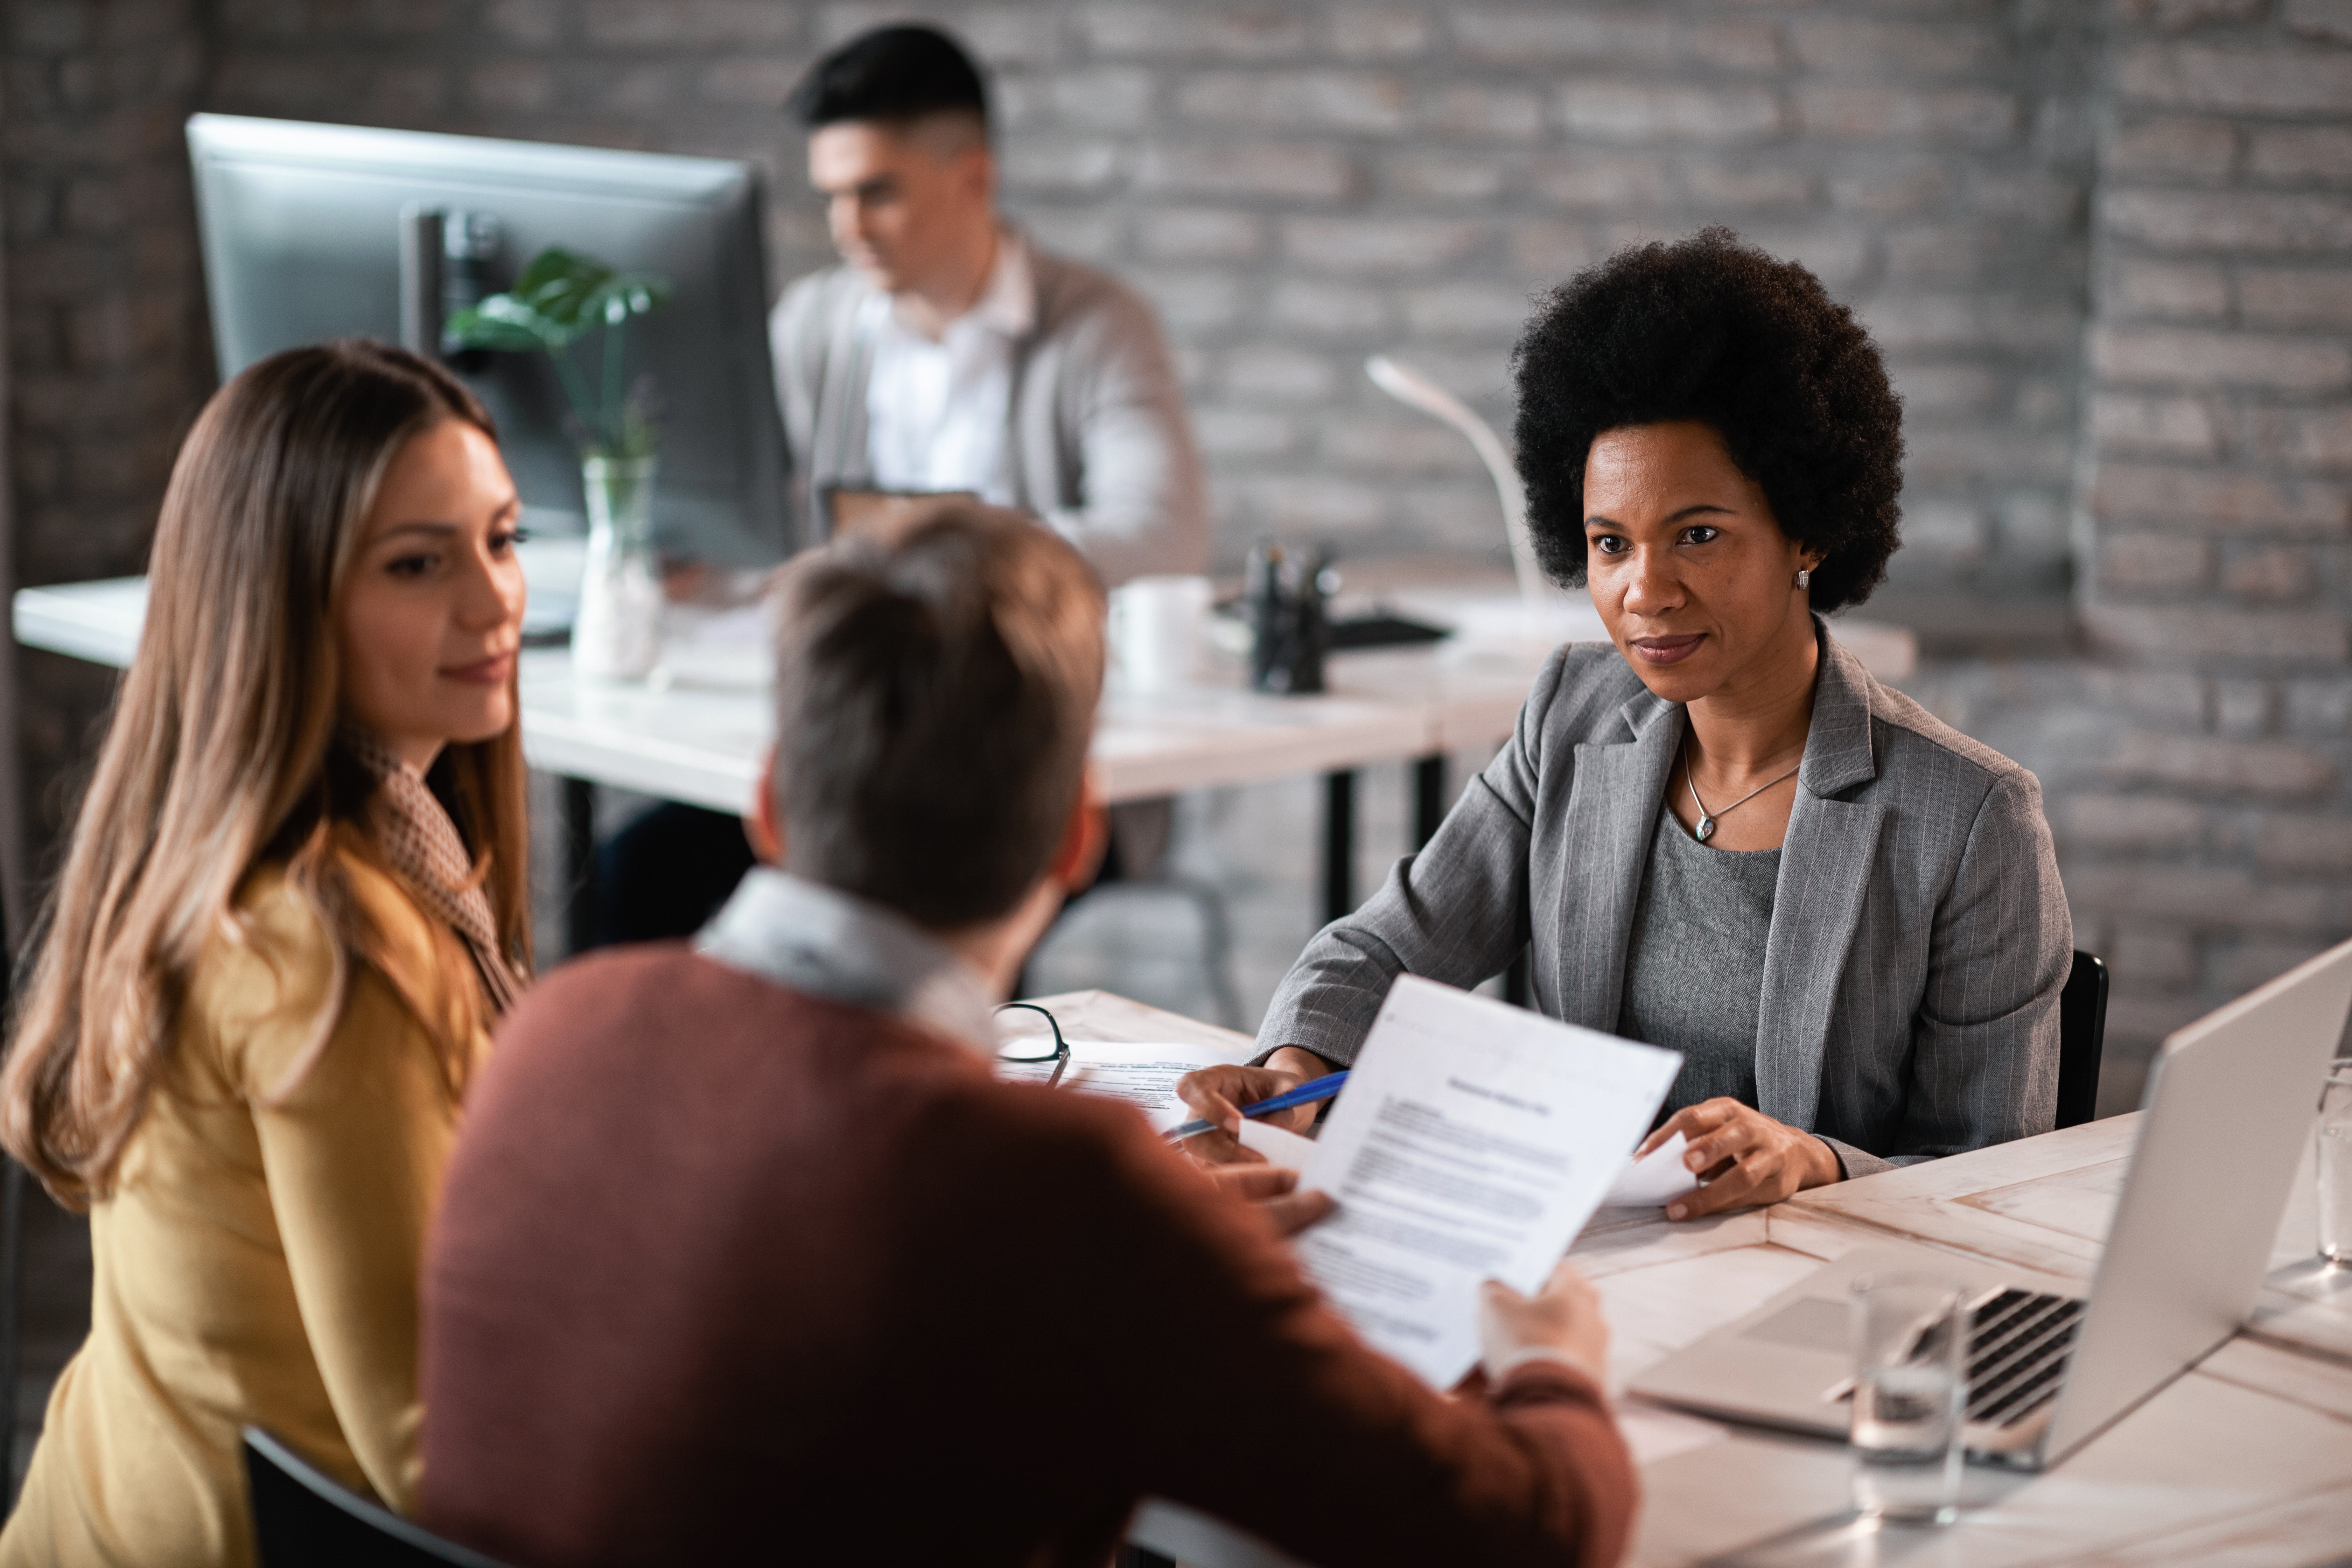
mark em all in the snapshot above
pixel 1655 1180
pixel 1144 1076
pixel 1473 1141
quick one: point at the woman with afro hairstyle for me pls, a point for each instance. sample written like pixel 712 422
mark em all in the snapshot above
pixel 1717 832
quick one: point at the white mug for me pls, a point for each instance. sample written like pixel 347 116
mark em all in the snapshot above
pixel 1157 624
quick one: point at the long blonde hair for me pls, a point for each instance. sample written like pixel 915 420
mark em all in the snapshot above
pixel 221 753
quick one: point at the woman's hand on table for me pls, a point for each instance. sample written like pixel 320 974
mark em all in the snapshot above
pixel 1217 1094
pixel 1742 1158
pixel 1274 1190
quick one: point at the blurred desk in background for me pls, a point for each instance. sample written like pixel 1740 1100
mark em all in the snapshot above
pixel 697 731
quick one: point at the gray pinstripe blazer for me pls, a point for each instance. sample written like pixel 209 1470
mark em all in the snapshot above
pixel 1919 934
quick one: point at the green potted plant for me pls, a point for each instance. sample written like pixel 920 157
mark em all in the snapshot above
pixel 563 297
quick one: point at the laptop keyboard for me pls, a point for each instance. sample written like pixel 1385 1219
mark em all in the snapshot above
pixel 2018 1348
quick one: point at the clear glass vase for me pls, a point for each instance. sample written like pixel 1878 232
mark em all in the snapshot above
pixel 616 635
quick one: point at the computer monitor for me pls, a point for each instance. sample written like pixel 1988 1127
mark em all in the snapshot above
pixel 313 232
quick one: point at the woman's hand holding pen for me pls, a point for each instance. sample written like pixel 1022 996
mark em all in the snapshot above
pixel 1217 1094
pixel 1743 1158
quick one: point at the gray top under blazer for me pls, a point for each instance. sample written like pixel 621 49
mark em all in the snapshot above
pixel 1694 969
pixel 1919 935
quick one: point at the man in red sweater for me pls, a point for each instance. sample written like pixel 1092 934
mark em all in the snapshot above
pixel 746 1255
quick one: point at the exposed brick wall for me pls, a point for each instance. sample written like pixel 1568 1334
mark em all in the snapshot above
pixel 2212 845
pixel 2163 392
pixel 105 336
pixel 1300 184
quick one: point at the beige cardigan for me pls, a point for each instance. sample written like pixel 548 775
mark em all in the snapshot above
pixel 1099 446
pixel 257 1258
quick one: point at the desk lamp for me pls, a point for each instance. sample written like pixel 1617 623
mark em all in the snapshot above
pixel 1411 388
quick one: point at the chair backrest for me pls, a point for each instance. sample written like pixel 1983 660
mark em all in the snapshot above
pixel 303 1519
pixel 2082 1031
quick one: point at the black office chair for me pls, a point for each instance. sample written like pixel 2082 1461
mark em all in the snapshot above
pixel 2082 1032
pixel 303 1519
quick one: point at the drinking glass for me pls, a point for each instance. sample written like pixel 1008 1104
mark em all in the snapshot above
pixel 1910 1395
pixel 616 633
pixel 2336 1166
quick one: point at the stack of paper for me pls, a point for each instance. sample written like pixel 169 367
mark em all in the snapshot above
pixel 1655 1180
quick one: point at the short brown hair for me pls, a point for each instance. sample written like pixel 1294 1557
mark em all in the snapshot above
pixel 935 696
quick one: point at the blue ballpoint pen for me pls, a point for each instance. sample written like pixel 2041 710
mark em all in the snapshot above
pixel 1307 1093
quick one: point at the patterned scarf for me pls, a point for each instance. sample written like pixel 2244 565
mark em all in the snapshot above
pixel 420 841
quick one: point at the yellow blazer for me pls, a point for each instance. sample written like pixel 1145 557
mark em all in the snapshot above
pixel 257 1258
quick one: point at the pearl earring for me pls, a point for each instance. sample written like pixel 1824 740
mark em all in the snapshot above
pixel 1804 576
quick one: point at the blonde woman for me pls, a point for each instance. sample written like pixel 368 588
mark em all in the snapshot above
pixel 294 902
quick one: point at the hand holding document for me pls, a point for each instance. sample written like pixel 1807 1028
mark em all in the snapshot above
pixel 1473 1143
pixel 1144 1076
pixel 1655 1180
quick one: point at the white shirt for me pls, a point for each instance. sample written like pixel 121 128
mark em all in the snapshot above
pixel 828 943
pixel 938 414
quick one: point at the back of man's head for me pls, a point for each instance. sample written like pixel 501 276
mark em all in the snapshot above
pixel 895 75
pixel 935 697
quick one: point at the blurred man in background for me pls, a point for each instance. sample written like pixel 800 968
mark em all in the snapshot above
pixel 945 355
pixel 950 354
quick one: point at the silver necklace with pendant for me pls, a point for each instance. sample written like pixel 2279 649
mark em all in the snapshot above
pixel 1706 819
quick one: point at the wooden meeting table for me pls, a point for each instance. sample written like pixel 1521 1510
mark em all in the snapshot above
pixel 2247 1459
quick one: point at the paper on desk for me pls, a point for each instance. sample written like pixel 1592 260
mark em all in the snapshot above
pixel 1655 1180
pixel 1144 1076
pixel 1474 1142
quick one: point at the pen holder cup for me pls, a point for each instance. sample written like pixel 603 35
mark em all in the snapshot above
pixel 1288 593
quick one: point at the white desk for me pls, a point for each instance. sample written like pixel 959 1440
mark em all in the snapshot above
pixel 698 734
pixel 700 742
pixel 2046 1204
pixel 2246 1460
pixel 699 737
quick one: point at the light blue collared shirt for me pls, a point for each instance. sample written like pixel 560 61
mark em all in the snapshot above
pixel 821 941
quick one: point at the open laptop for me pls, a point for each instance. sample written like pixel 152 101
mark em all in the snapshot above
pixel 2229 1109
